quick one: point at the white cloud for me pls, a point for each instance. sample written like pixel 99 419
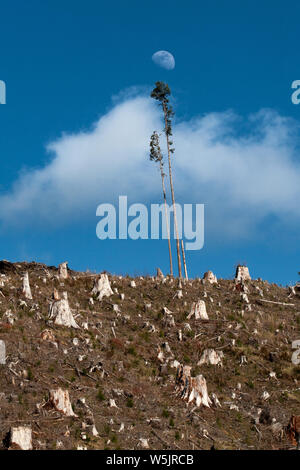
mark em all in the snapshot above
pixel 88 168
pixel 242 169
pixel 245 170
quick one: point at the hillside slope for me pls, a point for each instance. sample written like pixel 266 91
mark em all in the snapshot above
pixel 114 356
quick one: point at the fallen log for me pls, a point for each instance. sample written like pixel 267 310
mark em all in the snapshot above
pixel 277 303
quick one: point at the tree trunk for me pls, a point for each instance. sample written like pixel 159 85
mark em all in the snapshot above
pixel 166 214
pixel 184 263
pixel 172 193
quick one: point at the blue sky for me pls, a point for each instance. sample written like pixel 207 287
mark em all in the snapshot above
pixel 78 72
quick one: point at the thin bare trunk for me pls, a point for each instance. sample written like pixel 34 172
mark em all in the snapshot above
pixel 183 257
pixel 166 215
pixel 173 196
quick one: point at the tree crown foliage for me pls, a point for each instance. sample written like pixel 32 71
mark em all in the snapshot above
pixel 155 151
pixel 161 92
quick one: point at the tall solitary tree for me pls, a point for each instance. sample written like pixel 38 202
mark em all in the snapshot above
pixel 156 156
pixel 161 93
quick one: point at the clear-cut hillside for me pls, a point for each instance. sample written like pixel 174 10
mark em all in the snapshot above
pixel 108 379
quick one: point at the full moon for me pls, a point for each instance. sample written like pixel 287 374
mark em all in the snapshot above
pixel 164 59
